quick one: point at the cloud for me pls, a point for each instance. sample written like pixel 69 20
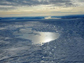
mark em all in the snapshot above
pixel 39 7
pixel 7 7
pixel 16 3
pixel 35 2
pixel 78 2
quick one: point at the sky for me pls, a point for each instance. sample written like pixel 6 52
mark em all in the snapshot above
pixel 17 8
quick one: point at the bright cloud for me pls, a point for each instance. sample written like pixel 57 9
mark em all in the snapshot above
pixel 40 7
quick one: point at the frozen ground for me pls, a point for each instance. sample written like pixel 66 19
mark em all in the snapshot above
pixel 46 41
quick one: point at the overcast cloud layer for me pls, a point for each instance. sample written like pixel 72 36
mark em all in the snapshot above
pixel 12 4
pixel 34 2
pixel 40 7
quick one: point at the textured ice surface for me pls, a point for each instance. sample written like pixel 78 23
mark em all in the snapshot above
pixel 66 45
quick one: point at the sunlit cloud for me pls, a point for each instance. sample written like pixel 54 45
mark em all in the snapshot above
pixel 40 7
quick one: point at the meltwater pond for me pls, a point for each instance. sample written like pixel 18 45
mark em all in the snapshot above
pixel 37 37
